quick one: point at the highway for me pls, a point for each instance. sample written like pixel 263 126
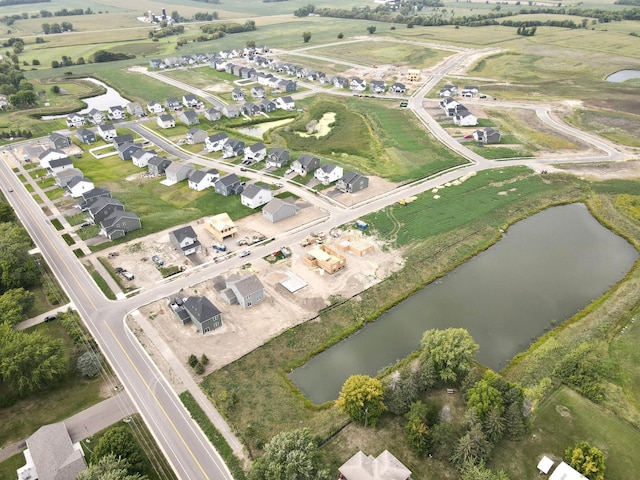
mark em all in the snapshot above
pixel 186 448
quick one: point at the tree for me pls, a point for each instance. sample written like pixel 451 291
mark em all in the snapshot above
pixel 401 389
pixel 587 460
pixel 30 361
pixel 515 426
pixel 55 89
pixel 120 441
pixel 306 36
pixel 89 364
pixel 6 213
pixel 251 44
pixel 416 428
pixel 288 455
pixel 14 305
pixel 17 267
pixel 109 467
pixel 469 471
pixel 472 447
pixel 361 398
pixel 493 425
pixel 24 98
pixel 451 350
pixel 371 29
pixel 341 35
pixel 484 398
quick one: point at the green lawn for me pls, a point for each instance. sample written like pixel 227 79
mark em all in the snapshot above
pixel 10 465
pixel 564 419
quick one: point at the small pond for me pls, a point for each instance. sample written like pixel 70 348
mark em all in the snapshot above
pixel 258 130
pixel 623 75
pixel 544 270
pixel 100 102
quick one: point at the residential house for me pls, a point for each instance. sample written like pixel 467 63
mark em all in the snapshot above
pixel 120 139
pixel 305 164
pixel 107 131
pixel 448 105
pixel 469 91
pixel 187 60
pixel 254 196
pixel 48 155
pixel 220 226
pixel 173 104
pixel 85 136
pixel 195 135
pixel 60 164
pixel 285 103
pixel 248 73
pixel 188 117
pixel 135 109
pixel 215 142
pixel 564 471
pixel 202 179
pixel 59 141
pixel 358 84
pixel 278 209
pixel 96 116
pixel 155 107
pixel 352 182
pixel 250 108
pixel 79 185
pixel 264 78
pixel 238 95
pixel 488 135
pixel 178 171
pixel 244 290
pixel 340 82
pixel 126 150
pixel 115 113
pixel 255 153
pixel 366 467
pixel 324 257
pixel 267 106
pixel 185 240
pixel 75 120
pixel 156 63
pixel 258 91
pixel 158 165
pixel 377 86
pixel 278 158
pixel 100 208
pixel 231 111
pixel 140 158
pixel 172 62
pixel 219 64
pixel 452 88
pixel 413 75
pixel 398 88
pixel 90 196
pixel 204 314
pixel 118 224
pixel 191 101
pixel 212 114
pixel 228 185
pixel 465 119
pixel 328 173
pixel 63 177
pixel 233 148
pixel 166 121
pixel 51 455
pixel 287 86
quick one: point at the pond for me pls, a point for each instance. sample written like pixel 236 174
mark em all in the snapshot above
pixel 623 75
pixel 100 102
pixel 544 270
pixel 258 130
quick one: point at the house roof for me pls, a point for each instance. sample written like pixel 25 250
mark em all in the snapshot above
pixel 120 139
pixel 100 202
pixel 328 167
pixel 305 159
pixel 53 152
pixel 165 117
pixel 216 137
pixel 384 467
pixel 123 147
pixel 252 191
pixel 184 232
pixel 159 161
pixel 53 454
pixel 278 152
pixel 106 127
pixel 201 308
pixel 197 176
pixel 229 179
pixel 96 192
pixel 276 204
pixel 83 132
pixel 195 130
pixel 564 471
pixel 76 180
pixel 177 166
pixel 190 115
pixel 246 285
pixel 69 172
pixel 116 216
pixel 256 147
pixel 60 162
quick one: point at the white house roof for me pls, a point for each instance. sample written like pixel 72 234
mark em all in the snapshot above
pixel 384 467
pixel 564 471
pixel 53 454
pixel 545 465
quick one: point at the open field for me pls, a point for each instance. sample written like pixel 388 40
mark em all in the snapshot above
pixel 617 127
pixel 562 420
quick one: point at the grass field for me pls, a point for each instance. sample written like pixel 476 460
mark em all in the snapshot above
pixel 9 466
pixel 564 419
pixel 617 127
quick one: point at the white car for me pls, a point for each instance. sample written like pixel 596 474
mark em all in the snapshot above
pixel 244 253
pixel 290 170
pixel 278 184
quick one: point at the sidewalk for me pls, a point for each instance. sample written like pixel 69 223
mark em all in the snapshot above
pixel 85 423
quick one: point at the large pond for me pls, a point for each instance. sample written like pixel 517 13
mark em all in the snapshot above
pixel 102 102
pixel 623 75
pixel 544 270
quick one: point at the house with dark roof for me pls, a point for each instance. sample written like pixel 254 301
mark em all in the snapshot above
pixel 278 158
pixel 115 113
pixel 165 120
pixel 155 107
pixel 140 158
pixel 107 131
pixel 352 182
pixel 358 84
pixel 173 104
pixel 257 91
pixel 158 165
pixel 250 108
pixel 377 86
pixel 59 141
pixel 204 314
pixel 238 95
pixel 228 185
pixel 178 171
pixel 48 155
pixel 120 139
pixel 74 120
pixel 328 173
pixel 195 135
pixel 487 135
pixel 96 116
pixel 188 117
pixel 215 142
pixel 78 185
pixel 91 196
pixel 255 153
pixel 51 455
pixel 191 101
pixel 278 209
pixel 185 240
pixel 285 103
pixel 267 106
pixel 118 224
pixel 305 164
pixel 254 196
pixel 233 148
pixel 202 179
pixel 64 176
pixel 243 290
pixel 85 136
pixel 398 88
pixel 126 150
pixel 135 109
pixel 101 207
pixel 60 164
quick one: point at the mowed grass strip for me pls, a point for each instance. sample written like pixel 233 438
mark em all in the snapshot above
pixel 562 420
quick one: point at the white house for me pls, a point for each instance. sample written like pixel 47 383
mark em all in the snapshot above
pixel 215 142
pixel 48 155
pixel 358 84
pixel 107 131
pixel 79 185
pixel 285 103
pixel 200 180
pixel 254 196
pixel 155 107
pixel 185 239
pixel 328 173
pixel 140 158
pixel 166 121
pixel 465 119
pixel 255 153
pixel 115 113
pixel 75 120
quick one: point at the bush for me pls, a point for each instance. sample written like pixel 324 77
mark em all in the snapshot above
pixel 193 361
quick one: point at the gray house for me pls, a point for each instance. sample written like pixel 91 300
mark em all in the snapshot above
pixel 158 165
pixel 85 136
pixel 134 108
pixel 59 141
pixel 238 95
pixel 188 117
pixel 231 111
pixel 127 149
pixel 212 114
pixel 305 164
pixel 196 135
pixel 278 209
pixel 65 176
pixel 233 148
pixel 118 224
pixel 244 290
pixel 228 185
pixel 185 239
pixel 91 196
pixel 278 158
pixel 204 314
pixel 101 207
pixel 178 171
pixel 120 139
pixel 352 182
pixel 487 135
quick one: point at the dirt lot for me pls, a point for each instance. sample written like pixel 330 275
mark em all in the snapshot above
pixel 245 329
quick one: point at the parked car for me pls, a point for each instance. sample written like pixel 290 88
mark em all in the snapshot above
pixel 157 260
pixel 128 275
pixel 278 184
pixel 242 169
pixel 85 224
pixel 49 318
pixel 118 269
pixel 221 247
pixel 244 253
pixel 288 171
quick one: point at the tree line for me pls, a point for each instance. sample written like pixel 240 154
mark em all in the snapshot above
pixel 49 28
